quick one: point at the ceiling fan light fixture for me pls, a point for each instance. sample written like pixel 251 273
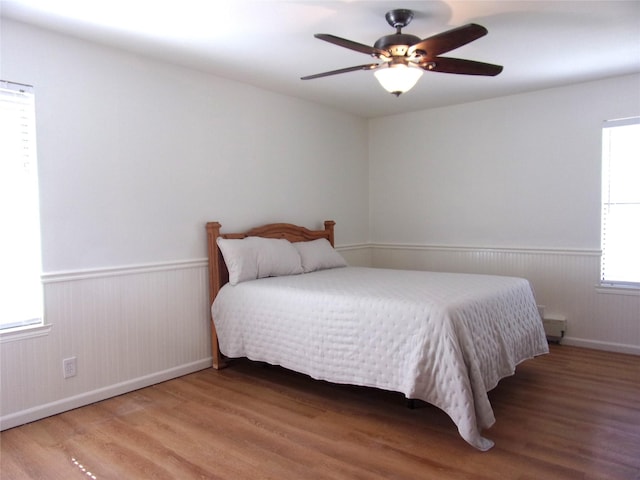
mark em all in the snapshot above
pixel 398 78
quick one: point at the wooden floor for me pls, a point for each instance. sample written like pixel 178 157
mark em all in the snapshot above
pixel 573 414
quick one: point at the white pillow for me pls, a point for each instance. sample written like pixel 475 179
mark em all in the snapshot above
pixel 276 257
pixel 240 258
pixel 319 255
pixel 256 257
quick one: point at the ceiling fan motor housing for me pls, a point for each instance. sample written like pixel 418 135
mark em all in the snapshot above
pixel 396 44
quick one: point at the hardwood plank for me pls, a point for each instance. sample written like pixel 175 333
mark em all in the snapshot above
pixel 573 414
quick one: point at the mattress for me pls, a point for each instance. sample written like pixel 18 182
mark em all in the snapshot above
pixel 444 338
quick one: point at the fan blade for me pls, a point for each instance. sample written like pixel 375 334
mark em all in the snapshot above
pixel 358 47
pixel 342 70
pixel 461 66
pixel 449 40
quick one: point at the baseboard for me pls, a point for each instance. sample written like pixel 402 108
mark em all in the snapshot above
pixel 598 345
pixel 42 411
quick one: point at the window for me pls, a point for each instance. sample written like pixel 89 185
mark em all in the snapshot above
pixel 20 257
pixel 621 203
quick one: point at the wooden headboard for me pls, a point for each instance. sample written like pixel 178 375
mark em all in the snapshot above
pixel 219 275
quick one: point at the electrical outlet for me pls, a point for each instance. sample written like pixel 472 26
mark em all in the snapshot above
pixel 70 367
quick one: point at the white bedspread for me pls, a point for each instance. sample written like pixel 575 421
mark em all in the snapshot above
pixel 443 338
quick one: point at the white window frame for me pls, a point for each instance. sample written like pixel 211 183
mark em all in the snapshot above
pixel 610 181
pixel 19 154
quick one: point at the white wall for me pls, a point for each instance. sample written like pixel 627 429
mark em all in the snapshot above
pixel 134 157
pixel 520 171
pixel 516 179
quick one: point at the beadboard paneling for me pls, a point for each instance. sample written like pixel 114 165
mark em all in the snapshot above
pixel 135 326
pixel 128 327
pixel 564 281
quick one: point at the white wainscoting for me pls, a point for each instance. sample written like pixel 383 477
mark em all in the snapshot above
pixel 356 254
pixel 135 326
pixel 128 327
pixel 564 281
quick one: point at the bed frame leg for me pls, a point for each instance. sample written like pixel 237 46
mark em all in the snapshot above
pixel 218 360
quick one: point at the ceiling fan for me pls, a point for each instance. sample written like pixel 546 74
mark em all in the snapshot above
pixel 405 57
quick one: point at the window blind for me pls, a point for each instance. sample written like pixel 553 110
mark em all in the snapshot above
pixel 20 255
pixel 621 202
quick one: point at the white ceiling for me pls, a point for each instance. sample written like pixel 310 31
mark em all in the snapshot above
pixel 270 43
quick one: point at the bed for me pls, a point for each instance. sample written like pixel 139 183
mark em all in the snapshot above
pixel 282 294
